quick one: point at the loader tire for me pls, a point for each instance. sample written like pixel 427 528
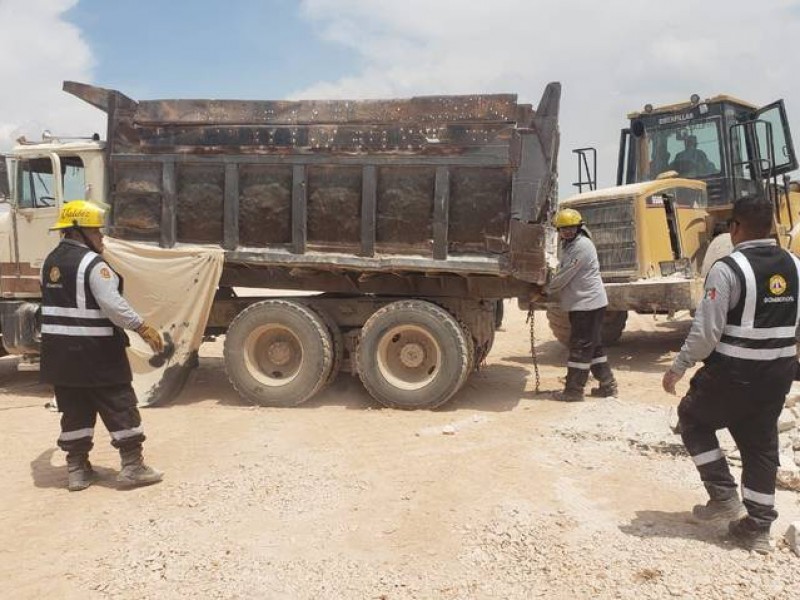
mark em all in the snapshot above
pixel 613 325
pixel 718 247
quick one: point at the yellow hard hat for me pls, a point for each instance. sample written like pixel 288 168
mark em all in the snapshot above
pixel 80 213
pixel 567 217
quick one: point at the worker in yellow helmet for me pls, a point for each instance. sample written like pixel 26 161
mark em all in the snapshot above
pixel 581 293
pixel 83 348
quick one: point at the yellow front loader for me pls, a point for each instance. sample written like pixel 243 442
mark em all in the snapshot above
pixel 664 224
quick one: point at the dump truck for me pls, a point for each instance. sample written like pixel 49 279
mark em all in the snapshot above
pixel 410 219
pixel 665 222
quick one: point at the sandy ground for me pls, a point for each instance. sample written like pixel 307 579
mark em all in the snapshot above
pixel 341 499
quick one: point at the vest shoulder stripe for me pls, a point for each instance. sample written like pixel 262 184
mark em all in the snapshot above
pixel 80 284
pixel 749 293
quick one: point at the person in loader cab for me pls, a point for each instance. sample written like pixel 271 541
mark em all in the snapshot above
pixel 744 331
pixel 581 293
pixel 691 161
pixel 83 349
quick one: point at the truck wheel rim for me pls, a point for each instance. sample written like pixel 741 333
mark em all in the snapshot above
pixel 273 355
pixel 409 357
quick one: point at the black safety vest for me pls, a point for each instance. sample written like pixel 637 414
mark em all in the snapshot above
pixel 758 342
pixel 80 346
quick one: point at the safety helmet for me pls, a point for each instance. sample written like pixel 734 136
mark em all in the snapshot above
pixel 567 217
pixel 80 213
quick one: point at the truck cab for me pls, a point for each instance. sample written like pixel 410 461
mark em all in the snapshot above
pixel 42 176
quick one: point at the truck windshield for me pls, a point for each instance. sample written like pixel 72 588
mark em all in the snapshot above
pixel 694 150
pixel 37 187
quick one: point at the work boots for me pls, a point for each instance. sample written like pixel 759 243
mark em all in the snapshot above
pixel 603 374
pixel 573 387
pixel 568 395
pixel 608 389
pixel 724 503
pixel 747 534
pixel 134 472
pixel 714 510
pixel 80 474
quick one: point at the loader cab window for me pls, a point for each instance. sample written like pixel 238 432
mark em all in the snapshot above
pixel 37 185
pixel 769 151
pixel 693 150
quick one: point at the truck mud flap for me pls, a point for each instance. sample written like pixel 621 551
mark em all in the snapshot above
pixel 529 251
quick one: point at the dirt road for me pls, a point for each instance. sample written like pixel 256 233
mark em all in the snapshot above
pixel 341 499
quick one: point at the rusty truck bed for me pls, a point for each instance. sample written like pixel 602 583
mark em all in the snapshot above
pixel 440 194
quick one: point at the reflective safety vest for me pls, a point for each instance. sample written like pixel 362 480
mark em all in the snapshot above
pixel 80 346
pixel 759 339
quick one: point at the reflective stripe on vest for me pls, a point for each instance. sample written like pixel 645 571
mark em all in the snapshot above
pixel 745 340
pixel 78 330
pixel 86 322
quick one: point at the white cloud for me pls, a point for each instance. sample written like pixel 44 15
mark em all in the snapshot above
pixel 38 50
pixel 612 56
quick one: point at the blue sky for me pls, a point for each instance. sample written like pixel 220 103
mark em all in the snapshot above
pixel 207 48
pixel 611 56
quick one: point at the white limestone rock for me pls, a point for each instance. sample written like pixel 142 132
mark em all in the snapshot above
pixel 786 421
pixel 793 537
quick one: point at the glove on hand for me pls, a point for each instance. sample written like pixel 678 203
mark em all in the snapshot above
pixel 152 337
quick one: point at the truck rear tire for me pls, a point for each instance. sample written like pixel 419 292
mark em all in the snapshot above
pixel 278 353
pixel 413 354
pixel 499 311
pixel 337 339
pixel 613 325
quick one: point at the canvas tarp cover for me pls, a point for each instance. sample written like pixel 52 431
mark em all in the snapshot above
pixel 173 290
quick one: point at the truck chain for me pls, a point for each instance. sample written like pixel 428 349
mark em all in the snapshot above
pixel 532 319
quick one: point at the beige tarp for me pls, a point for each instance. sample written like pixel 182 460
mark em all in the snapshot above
pixel 172 289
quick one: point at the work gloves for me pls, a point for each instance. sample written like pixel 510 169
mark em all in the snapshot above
pixel 151 336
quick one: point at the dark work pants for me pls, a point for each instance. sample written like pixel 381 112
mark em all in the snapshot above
pixel 586 351
pixel 116 406
pixel 750 412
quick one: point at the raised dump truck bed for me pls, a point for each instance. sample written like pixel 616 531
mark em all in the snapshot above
pixel 341 195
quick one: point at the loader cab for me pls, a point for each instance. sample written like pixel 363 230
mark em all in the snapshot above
pixel 731 145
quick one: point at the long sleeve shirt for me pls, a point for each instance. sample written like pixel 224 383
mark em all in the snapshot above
pixel 577 280
pixel 104 283
pixel 722 293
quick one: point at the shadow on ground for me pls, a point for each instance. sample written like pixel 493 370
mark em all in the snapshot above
pixel 679 525
pixel 640 351
pixel 495 388
pixel 47 475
